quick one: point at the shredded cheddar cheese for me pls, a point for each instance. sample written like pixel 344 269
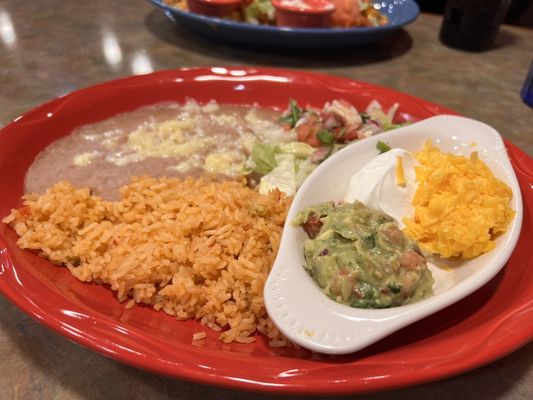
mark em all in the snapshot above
pixel 459 205
pixel 400 173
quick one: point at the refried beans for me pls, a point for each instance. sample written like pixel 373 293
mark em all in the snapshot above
pixel 162 140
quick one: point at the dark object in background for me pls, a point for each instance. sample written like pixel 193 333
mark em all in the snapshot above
pixel 472 24
pixel 432 6
pixel 527 89
pixel 520 11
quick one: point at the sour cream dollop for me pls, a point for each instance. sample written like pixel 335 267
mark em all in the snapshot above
pixel 376 185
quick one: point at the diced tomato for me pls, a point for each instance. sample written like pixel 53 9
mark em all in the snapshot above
pixel 307 133
pixel 286 126
pixel 350 136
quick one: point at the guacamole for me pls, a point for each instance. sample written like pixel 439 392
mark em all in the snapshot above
pixel 360 257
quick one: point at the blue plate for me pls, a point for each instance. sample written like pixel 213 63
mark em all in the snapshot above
pixel 399 12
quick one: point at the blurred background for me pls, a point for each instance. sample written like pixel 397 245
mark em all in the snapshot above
pixel 520 11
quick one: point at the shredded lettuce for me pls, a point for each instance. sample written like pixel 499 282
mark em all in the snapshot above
pixel 282 177
pixel 302 169
pixel 299 149
pixel 285 166
pixel 293 165
pixel 264 158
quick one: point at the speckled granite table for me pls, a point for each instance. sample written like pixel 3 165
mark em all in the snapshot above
pixel 48 48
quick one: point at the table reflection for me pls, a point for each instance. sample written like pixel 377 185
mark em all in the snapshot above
pixel 7 30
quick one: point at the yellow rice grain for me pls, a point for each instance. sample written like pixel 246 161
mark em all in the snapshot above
pixel 199 335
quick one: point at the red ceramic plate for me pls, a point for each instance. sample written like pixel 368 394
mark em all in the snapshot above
pixel 488 324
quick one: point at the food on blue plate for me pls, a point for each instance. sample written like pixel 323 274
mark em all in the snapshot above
pixel 347 14
pixel 258 12
pixel 350 13
pixel 460 207
pixel 359 256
